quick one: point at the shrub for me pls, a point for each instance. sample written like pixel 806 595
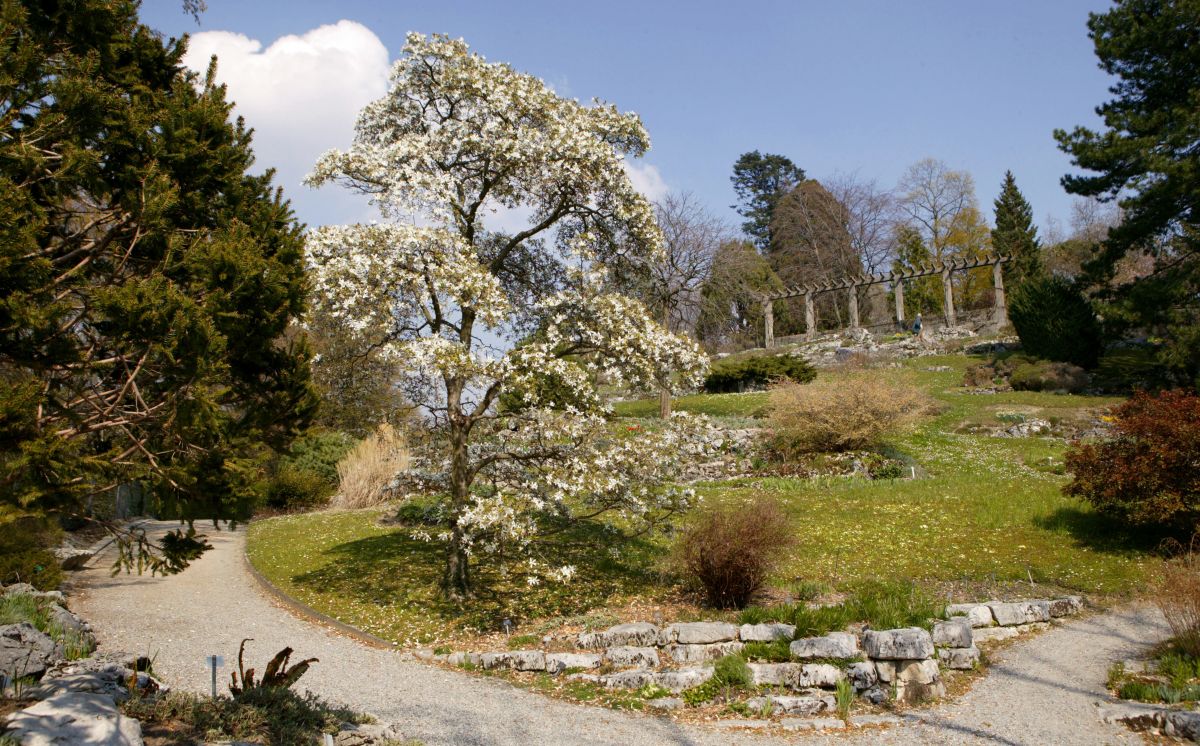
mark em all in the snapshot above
pixel 297 489
pixel 1055 321
pixel 735 374
pixel 24 557
pixel 1148 473
pixel 730 551
pixel 1177 593
pixel 319 452
pixel 369 467
pixel 853 411
pixel 1045 375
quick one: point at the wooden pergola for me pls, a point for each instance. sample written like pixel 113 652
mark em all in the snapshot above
pixel 896 280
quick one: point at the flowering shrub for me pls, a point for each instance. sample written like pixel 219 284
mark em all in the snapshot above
pixel 1148 473
pixel 850 411
pixel 730 551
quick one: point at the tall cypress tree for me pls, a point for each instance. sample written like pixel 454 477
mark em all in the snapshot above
pixel 146 278
pixel 1015 235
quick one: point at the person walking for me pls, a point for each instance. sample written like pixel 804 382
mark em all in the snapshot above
pixel 917 326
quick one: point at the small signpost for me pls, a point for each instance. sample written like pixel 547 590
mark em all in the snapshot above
pixel 213 662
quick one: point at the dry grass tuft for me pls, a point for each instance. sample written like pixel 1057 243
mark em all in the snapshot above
pixel 1177 593
pixel 366 471
pixel 850 411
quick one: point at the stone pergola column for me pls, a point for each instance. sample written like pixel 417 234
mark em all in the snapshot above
pixel 1001 306
pixel 768 323
pixel 854 307
pixel 810 316
pixel 948 298
pixel 899 292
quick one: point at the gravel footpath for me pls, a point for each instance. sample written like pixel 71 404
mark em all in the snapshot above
pixel 1041 691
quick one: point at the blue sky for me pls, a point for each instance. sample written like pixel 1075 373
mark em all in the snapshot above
pixel 856 86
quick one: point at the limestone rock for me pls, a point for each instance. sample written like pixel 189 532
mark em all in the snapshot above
pixel 994 634
pixel 464 659
pixel 962 659
pixel 791 705
pixel 366 734
pixel 908 643
pixel 817 675
pixel 863 675
pixel 683 678
pixel 75 718
pixel 629 656
pixel 1065 606
pixel 955 633
pixel 701 653
pixel 559 662
pixel 777 674
pixel 876 695
pixel 1020 612
pixel 811 724
pixel 517 660
pixel 632 679
pixel 979 615
pixel 914 681
pixel 766 632
pixel 832 645
pixel 633 634
pixel 24 651
pixel 698 633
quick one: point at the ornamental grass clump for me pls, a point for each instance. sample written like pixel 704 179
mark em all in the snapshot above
pixel 366 471
pixel 846 412
pixel 1177 594
pixel 732 550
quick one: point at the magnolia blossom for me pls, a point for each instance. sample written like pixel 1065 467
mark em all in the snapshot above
pixel 453 138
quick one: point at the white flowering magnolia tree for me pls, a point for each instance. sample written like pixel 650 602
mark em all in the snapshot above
pixel 503 334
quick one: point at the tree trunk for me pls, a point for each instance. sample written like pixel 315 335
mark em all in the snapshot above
pixel 664 403
pixel 456 581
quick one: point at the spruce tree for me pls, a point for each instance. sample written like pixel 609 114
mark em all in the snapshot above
pixel 1015 235
pixel 146 278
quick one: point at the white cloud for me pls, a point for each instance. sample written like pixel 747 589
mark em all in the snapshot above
pixel 647 180
pixel 301 94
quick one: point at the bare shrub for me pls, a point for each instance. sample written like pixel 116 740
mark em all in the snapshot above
pixel 730 551
pixel 850 411
pixel 1177 593
pixel 366 471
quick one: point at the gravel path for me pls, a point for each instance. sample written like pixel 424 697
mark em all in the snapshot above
pixel 1041 691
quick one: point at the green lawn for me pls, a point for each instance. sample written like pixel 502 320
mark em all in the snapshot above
pixel 987 511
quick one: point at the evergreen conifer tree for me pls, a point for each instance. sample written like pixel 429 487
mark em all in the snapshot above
pixel 1015 235
pixel 146 278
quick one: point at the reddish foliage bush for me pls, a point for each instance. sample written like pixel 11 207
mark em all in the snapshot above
pixel 732 550
pixel 1149 472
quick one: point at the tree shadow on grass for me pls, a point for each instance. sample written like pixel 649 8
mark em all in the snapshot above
pixel 397 569
pixel 1101 533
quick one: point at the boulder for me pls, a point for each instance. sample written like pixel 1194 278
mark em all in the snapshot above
pixel 908 643
pixel 766 632
pixel 629 656
pixel 791 705
pixel 632 634
pixel 517 660
pixel 862 675
pixel 75 718
pixel 664 704
pixel 24 651
pixel 832 645
pixel 1065 606
pixel 962 659
pixel 632 679
pixel 701 653
pixel 994 634
pixel 1020 612
pixel 366 734
pixel 955 633
pixel 683 678
pixel 103 674
pixel 559 662
pixel 464 659
pixel 71 558
pixel 914 681
pixel 698 633
pixel 979 615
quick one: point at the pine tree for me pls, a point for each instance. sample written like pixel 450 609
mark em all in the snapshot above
pixel 1015 235
pixel 146 279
